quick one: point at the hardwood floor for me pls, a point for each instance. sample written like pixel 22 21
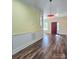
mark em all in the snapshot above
pixel 50 47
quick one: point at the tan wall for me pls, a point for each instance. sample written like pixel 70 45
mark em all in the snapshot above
pixel 24 18
pixel 63 25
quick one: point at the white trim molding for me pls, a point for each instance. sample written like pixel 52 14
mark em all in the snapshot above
pixel 20 42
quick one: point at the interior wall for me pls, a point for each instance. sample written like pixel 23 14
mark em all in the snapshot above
pixel 62 24
pixel 25 26
pixel 24 18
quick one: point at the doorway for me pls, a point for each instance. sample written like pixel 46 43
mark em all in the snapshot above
pixel 54 28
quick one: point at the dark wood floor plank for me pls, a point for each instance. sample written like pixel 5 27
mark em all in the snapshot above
pixel 50 47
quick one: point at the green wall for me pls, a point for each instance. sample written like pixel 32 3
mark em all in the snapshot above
pixel 24 18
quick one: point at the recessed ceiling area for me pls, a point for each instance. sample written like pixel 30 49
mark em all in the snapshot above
pixel 58 6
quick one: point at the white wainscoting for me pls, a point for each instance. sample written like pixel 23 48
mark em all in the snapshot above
pixel 20 42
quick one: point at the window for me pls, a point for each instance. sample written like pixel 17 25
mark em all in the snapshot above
pixel 45 24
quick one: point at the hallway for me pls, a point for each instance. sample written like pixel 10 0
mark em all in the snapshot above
pixel 50 47
pixel 31 19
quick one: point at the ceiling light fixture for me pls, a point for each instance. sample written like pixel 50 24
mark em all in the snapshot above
pixel 50 15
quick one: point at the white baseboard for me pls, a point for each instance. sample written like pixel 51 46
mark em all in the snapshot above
pixel 20 42
pixel 62 33
pixel 22 47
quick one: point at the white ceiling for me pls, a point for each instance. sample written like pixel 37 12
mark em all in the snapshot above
pixel 58 6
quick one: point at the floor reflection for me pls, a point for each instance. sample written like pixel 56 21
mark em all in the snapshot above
pixel 45 40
